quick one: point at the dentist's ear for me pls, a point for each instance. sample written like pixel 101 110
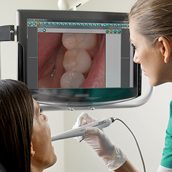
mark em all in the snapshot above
pixel 165 46
pixel 32 152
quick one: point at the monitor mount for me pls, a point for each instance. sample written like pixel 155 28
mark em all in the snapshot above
pixel 7 33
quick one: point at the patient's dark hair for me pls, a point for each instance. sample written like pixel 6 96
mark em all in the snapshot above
pixel 16 122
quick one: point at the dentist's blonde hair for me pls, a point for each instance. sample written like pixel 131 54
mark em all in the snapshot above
pixel 152 18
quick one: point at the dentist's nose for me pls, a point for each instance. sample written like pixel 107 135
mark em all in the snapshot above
pixel 135 59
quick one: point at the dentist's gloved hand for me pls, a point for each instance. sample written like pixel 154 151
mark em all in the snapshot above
pixel 111 155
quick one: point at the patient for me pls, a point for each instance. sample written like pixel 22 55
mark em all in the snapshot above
pixel 25 137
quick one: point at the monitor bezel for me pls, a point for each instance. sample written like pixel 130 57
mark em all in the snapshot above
pixel 57 95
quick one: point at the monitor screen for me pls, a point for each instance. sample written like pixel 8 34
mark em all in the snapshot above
pixel 77 57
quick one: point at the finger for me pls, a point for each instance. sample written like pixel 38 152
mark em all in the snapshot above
pixel 93 131
pixel 86 119
pixel 82 119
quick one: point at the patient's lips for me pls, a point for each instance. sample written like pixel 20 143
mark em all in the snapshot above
pixel 79 40
pixel 72 79
pixel 77 60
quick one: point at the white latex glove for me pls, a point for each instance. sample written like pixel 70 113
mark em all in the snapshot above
pixel 111 155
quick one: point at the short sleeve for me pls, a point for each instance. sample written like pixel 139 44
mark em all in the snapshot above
pixel 166 160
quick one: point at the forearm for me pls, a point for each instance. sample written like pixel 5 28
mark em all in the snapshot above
pixel 112 156
pixel 126 167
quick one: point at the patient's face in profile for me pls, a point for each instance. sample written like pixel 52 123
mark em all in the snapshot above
pixel 42 151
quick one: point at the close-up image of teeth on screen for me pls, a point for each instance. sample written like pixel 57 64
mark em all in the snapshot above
pixel 73 61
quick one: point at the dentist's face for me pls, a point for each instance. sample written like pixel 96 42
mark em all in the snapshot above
pixel 149 56
pixel 44 155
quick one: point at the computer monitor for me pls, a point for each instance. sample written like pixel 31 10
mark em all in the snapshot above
pixel 77 58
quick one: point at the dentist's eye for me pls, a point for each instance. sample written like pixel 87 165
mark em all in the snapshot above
pixel 40 111
pixel 134 47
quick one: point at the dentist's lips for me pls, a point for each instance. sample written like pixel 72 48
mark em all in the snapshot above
pixel 143 71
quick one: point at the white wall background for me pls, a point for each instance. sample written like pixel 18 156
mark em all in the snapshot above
pixel 148 122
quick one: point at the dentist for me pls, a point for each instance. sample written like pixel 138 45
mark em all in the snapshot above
pixel 150 24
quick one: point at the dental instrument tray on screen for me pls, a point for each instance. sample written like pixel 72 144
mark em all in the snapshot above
pixel 77 59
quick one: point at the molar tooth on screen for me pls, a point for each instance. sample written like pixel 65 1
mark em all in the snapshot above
pixel 72 79
pixel 84 41
pixel 77 60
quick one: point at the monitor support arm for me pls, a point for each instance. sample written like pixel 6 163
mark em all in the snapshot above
pixel 70 4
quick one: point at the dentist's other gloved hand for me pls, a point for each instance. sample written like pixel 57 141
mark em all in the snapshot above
pixel 112 156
